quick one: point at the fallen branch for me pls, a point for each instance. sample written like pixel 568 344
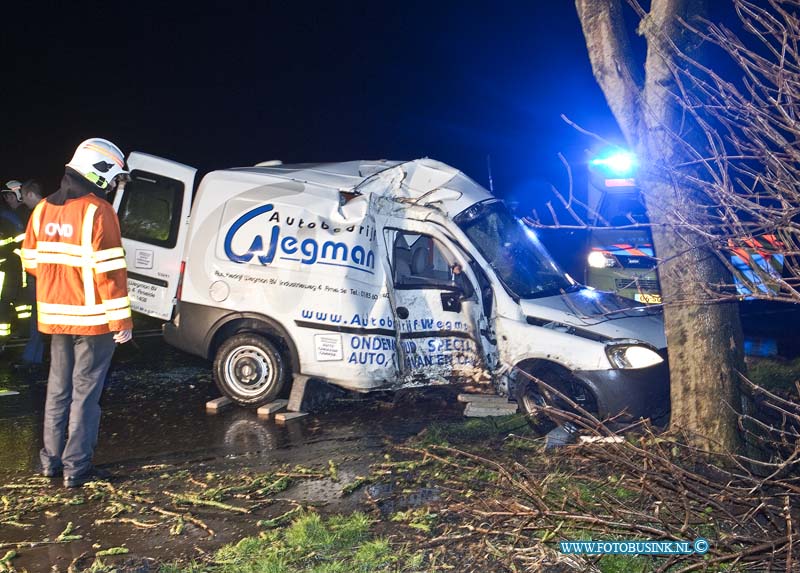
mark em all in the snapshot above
pixel 128 520
pixel 195 500
pixel 185 516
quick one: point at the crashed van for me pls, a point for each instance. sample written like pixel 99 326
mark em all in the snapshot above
pixel 375 275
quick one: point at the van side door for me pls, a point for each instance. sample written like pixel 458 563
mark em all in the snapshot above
pixel 438 308
pixel 153 210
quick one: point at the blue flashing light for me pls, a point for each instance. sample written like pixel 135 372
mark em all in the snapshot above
pixel 617 163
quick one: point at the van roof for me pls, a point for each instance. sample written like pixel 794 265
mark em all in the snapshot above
pixel 343 175
pixel 423 180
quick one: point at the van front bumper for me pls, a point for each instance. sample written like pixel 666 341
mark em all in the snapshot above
pixel 625 395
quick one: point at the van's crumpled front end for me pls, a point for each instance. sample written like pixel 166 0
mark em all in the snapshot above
pixel 625 395
pixel 627 371
pixel 606 352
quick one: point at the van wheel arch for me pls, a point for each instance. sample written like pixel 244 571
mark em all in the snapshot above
pixel 254 324
pixel 527 392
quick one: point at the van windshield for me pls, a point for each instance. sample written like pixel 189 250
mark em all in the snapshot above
pixel 513 251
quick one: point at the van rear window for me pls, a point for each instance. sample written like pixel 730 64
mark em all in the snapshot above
pixel 150 209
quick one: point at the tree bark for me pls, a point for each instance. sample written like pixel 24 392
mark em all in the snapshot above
pixel 612 61
pixel 704 339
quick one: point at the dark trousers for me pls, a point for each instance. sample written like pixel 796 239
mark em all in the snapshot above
pixel 33 353
pixel 78 366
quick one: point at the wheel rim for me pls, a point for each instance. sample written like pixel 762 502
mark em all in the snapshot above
pixel 532 401
pixel 249 371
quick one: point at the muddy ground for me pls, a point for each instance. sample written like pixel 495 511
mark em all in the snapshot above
pixel 168 453
pixel 443 493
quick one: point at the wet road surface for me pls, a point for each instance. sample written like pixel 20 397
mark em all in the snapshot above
pixel 155 435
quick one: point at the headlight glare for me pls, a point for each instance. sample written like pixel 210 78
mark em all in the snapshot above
pixel 600 260
pixel 633 356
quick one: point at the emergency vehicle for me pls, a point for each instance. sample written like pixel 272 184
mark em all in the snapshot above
pixel 620 256
pixel 344 272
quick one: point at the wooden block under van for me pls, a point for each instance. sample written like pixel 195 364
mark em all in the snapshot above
pixel 218 404
pixel 272 407
pixel 283 417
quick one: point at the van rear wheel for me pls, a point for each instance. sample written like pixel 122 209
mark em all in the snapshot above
pixel 249 370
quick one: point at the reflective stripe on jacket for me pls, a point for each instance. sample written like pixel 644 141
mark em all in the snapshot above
pixel 75 252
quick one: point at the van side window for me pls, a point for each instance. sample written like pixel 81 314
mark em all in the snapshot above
pixel 150 209
pixel 420 261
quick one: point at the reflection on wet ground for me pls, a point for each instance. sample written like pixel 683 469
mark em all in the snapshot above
pixel 389 501
pixel 157 438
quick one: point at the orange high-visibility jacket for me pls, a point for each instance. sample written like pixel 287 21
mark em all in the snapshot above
pixel 75 252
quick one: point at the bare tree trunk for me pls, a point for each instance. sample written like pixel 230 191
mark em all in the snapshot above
pixel 704 339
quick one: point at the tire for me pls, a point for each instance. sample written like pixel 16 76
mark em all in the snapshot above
pixel 249 370
pixel 531 398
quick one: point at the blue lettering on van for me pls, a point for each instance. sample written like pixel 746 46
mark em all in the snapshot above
pixel 331 250
pixel 257 245
pixel 288 245
pixel 308 251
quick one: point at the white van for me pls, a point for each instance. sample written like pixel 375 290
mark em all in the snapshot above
pixel 349 272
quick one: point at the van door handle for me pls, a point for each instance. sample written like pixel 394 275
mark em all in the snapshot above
pixel 402 312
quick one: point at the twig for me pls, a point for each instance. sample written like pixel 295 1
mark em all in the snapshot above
pixel 195 500
pixel 129 520
pixel 789 534
pixel 185 516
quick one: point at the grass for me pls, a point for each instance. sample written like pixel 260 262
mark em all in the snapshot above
pixel 775 374
pixel 338 544
pixel 474 430
pixel 190 568
pixel 420 519
pixel 625 564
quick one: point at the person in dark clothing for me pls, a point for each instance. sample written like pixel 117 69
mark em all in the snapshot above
pixel 11 278
pixel 9 275
pixel 32 193
pixel 12 196
pixel 33 353
pixel 462 281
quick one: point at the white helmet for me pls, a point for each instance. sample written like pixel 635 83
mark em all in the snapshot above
pixel 99 161
pixel 14 187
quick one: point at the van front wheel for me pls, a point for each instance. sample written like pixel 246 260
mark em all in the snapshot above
pixel 249 370
pixel 534 401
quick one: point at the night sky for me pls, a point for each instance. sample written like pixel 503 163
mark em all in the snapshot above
pixel 235 84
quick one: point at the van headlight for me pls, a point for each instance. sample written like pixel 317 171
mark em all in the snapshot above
pixel 632 356
pixel 601 260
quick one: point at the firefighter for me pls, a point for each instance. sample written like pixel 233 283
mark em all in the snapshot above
pixel 73 247
pixel 12 195
pixel 31 193
pixel 11 275
pixel 9 287
pixel 33 353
